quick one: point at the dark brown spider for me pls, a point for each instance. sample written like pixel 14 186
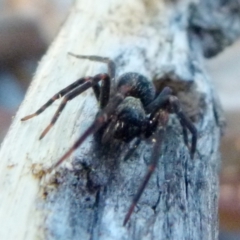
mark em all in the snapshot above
pixel 134 111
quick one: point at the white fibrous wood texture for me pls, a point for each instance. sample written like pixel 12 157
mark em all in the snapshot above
pixel 88 196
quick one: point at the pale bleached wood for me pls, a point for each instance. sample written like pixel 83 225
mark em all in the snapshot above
pixel 180 202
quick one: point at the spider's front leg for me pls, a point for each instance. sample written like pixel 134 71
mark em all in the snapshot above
pixel 185 122
pixel 100 92
pixel 110 63
pixel 71 92
pixel 162 118
pixel 165 100
pixel 58 95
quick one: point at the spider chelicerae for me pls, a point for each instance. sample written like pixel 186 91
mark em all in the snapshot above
pixel 129 110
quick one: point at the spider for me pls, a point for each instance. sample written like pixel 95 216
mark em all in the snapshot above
pixel 130 110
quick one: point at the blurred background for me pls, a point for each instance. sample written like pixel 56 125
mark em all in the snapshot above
pixel 27 27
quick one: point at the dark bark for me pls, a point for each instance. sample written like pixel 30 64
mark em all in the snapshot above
pixel 217 24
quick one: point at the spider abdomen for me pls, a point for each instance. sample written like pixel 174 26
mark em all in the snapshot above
pixel 140 86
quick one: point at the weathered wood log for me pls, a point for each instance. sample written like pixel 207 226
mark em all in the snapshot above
pixel 89 198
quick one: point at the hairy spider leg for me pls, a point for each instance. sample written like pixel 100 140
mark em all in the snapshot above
pixel 105 87
pixel 101 97
pixel 89 82
pixel 99 121
pixel 157 139
pixel 110 63
pixel 185 122
pixel 159 102
pixel 58 95
pixel 165 98
pixel 104 92
pixel 153 108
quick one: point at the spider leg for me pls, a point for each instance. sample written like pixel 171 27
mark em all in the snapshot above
pixel 157 139
pixel 56 96
pixel 185 135
pixel 162 101
pixel 91 81
pixel 99 121
pixel 105 87
pixel 153 108
pixel 110 63
pixel 186 124
pixel 159 101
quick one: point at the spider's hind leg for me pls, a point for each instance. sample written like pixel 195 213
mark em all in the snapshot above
pixel 156 153
pixel 102 93
pixel 91 81
pixel 110 63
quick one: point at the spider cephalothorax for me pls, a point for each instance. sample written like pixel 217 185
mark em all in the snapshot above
pixel 131 111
